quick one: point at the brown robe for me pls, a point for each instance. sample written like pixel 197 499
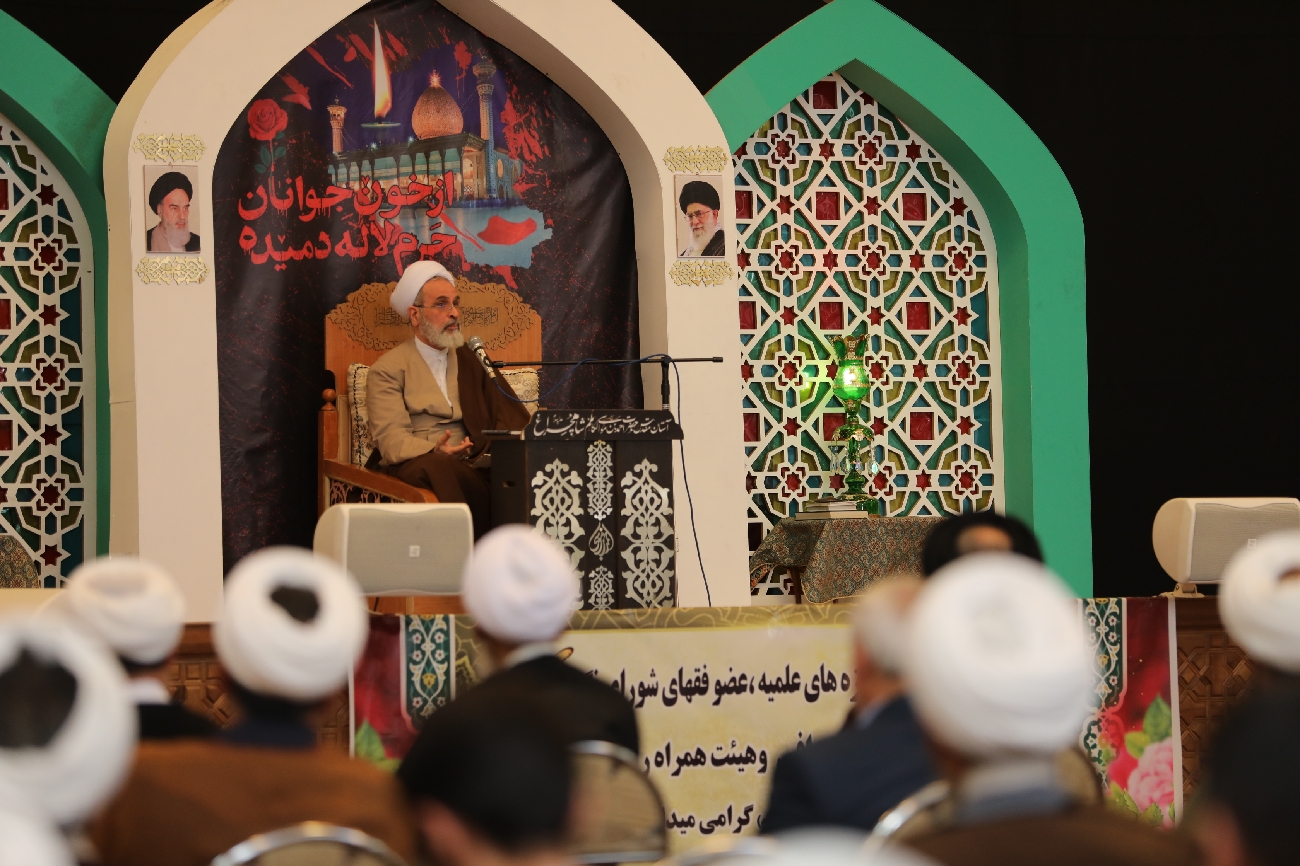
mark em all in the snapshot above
pixel 1082 836
pixel 185 802
pixel 408 413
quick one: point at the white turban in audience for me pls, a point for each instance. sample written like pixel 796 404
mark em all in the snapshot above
pixel 131 605
pixel 1260 610
pixel 271 652
pixel 26 840
pixel 997 661
pixel 519 585
pixel 413 279
pixel 880 621
pixel 65 779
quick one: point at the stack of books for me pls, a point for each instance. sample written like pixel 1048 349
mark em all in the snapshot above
pixel 830 509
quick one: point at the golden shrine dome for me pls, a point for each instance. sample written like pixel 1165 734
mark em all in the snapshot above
pixel 436 113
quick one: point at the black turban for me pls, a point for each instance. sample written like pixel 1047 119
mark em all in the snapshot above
pixel 168 183
pixel 699 192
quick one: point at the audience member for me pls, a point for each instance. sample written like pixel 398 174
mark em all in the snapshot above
pixel 66 737
pixel 1259 600
pixel 974 532
pixel 521 589
pixel 136 609
pixel 880 756
pixel 1246 812
pixel 489 781
pixel 999 673
pixel 292 627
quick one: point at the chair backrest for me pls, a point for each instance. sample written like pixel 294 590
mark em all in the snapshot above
pixel 910 817
pixel 310 844
pixel 396 548
pixel 618 815
pixel 364 327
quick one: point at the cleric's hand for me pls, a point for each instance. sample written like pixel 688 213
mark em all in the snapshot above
pixel 459 452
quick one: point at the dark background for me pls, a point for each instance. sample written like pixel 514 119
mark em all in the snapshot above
pixel 1169 118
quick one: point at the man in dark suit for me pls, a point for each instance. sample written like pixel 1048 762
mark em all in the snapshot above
pixel 520 588
pixel 880 757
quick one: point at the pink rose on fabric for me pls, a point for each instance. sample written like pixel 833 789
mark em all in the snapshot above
pixel 1152 780
pixel 266 119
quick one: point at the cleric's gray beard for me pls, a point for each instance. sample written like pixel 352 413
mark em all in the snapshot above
pixel 441 339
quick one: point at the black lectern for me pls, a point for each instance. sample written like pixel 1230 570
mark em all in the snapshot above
pixel 601 484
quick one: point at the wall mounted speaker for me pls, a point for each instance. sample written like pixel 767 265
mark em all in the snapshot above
pixel 399 548
pixel 1195 538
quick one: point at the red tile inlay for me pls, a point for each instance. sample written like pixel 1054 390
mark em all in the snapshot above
pixel 826 95
pixel 920 426
pixel 748 316
pixel 830 315
pixel 828 205
pixel 751 427
pixel 914 207
pixel 744 204
pixel 918 315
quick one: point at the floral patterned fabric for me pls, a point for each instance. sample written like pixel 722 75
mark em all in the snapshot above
pixel 841 558
pixel 17 571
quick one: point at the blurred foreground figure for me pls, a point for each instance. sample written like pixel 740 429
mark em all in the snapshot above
pixel 977 532
pixel 1259 601
pixel 880 756
pixel 521 590
pixel 136 609
pixel 1247 812
pixel 292 627
pixel 67 733
pixel 489 781
pixel 999 671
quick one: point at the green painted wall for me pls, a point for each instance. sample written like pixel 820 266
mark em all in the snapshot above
pixel 67 116
pixel 1036 224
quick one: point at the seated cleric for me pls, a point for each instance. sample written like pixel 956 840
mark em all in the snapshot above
pixel 169 199
pixel 430 399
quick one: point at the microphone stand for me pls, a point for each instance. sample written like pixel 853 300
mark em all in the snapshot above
pixel 663 362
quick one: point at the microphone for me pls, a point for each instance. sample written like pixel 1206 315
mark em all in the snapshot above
pixel 476 346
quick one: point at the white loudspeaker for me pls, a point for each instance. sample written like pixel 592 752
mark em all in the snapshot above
pixel 1195 538
pixel 399 548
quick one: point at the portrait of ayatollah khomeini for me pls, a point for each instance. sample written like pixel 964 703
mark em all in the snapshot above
pixel 700 202
pixel 169 199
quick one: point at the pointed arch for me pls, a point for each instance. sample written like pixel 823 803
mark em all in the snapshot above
pixel 1035 220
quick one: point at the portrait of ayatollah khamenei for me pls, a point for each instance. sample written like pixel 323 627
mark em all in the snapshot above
pixel 171 215
pixel 699 217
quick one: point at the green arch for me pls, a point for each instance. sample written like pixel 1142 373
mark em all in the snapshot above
pixel 1036 224
pixel 67 116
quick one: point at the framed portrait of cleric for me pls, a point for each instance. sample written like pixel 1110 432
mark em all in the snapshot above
pixel 171 216
pixel 700 234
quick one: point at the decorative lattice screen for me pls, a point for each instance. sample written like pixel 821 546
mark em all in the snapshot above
pixel 849 223
pixel 45 301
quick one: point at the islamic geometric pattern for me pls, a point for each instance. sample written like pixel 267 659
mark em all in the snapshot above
pixel 46 478
pixel 850 224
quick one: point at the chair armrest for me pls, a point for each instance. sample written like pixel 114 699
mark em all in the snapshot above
pixel 368 479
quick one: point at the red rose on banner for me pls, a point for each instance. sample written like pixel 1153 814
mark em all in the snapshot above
pixel 266 119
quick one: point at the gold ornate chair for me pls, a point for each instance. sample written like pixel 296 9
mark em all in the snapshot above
pixel 364 327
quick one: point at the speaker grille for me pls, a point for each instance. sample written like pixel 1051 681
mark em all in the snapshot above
pixel 380 544
pixel 1219 531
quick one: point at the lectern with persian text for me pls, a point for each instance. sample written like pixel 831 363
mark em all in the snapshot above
pixel 601 484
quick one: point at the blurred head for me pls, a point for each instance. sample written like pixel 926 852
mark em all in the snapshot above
pixel 131 605
pixel 520 586
pixel 1247 811
pixel 1259 600
pixel 880 634
pixel 996 659
pixel 67 726
pixel 490 779
pixel 974 532
pixel 293 625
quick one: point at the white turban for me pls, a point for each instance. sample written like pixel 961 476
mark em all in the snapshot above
pixel 413 279
pixel 997 661
pixel 30 841
pixel 1261 611
pixel 519 585
pixel 268 651
pixel 880 621
pixel 131 605
pixel 85 761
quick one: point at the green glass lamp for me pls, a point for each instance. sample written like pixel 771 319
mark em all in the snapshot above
pixel 852 385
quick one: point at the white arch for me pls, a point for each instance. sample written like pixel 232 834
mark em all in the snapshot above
pixel 166 480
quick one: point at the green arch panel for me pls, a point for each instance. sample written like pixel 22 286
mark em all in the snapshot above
pixel 1036 224
pixel 67 116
